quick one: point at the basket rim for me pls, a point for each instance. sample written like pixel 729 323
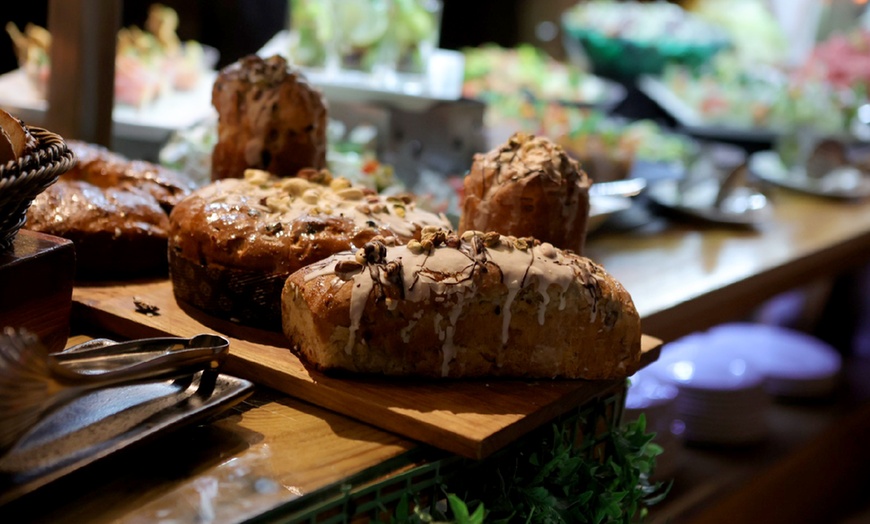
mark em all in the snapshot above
pixel 23 179
pixel 48 144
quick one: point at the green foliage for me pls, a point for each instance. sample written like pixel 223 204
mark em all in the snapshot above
pixel 605 481
pixel 456 513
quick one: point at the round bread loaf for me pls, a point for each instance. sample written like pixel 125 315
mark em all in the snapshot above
pixel 115 211
pixel 234 242
pixel 269 117
pixel 475 306
pixel 117 231
pixel 528 187
pixel 100 167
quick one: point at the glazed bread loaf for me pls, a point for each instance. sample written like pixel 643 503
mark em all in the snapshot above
pixel 269 117
pixel 100 167
pixel 115 210
pixel 475 306
pixel 234 242
pixel 118 232
pixel 528 187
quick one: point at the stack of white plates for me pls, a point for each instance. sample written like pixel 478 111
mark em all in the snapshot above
pixel 727 375
pixel 721 397
pixel 795 364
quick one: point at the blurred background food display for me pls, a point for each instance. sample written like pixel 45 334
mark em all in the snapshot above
pixel 416 87
pixel 150 61
pixel 366 35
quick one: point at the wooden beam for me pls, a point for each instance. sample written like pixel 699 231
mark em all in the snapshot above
pixel 81 87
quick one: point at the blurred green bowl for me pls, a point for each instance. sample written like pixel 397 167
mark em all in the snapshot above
pixel 626 59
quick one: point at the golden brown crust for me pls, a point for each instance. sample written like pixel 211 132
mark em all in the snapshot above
pixel 103 168
pixel 270 227
pixel 115 211
pixel 465 311
pixel 528 187
pixel 269 117
pixel 117 231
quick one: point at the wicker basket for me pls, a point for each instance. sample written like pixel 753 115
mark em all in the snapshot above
pixel 21 180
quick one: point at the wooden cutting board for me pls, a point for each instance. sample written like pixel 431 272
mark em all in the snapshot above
pixel 471 418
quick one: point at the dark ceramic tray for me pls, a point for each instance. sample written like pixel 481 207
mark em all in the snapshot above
pixel 108 420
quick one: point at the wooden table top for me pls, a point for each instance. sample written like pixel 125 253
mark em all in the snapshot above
pixel 686 276
pixel 272 449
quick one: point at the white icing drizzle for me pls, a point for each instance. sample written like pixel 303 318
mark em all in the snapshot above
pixel 441 333
pixel 445 273
pixel 448 350
pixel 319 269
pixel 545 299
pixel 362 286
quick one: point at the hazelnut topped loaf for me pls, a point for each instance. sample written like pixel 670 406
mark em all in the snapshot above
pixel 234 242
pixel 269 117
pixel 481 304
pixel 528 186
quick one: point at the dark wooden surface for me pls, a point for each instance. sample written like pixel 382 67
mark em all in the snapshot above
pixel 36 282
pixel 685 276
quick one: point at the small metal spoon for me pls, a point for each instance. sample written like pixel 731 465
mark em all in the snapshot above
pixel 34 382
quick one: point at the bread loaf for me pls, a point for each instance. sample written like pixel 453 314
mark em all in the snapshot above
pixel 100 167
pixel 269 117
pixel 528 187
pixel 233 243
pixel 115 210
pixel 480 305
pixel 118 232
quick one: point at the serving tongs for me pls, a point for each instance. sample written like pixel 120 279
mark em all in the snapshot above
pixel 34 382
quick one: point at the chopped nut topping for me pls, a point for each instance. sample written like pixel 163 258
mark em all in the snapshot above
pixel 400 211
pixel 323 177
pixel 435 238
pixel 360 256
pixel 346 268
pixel 311 196
pixel 350 193
pixel 521 244
pixel 364 209
pixel 295 186
pixel 491 239
pixel 339 183
pixel 257 177
pixel 427 244
pixel 145 308
pixel 393 271
pixel 278 204
pixel 453 241
pixel 374 252
pixel 468 235
pixel 414 246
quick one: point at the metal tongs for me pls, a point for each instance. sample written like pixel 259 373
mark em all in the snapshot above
pixel 34 382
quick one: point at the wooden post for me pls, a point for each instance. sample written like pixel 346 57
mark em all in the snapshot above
pixel 81 87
